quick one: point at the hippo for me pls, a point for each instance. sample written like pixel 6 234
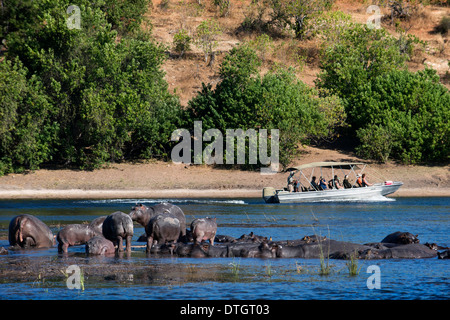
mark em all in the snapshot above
pixel 75 235
pixel 204 229
pixel 99 245
pixel 97 224
pixel 161 228
pixel 224 238
pixel 262 251
pixel 116 227
pixel 283 251
pixel 313 238
pixel 205 250
pixel 27 231
pixel 444 254
pixel 406 251
pixel 142 214
pixel 400 238
pixel 239 249
pixel 252 237
pixel 184 250
pixel 313 250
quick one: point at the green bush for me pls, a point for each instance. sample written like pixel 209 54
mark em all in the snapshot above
pixel 26 133
pixel 410 112
pixel 244 99
pixel 81 97
pixel 384 101
pixel 182 42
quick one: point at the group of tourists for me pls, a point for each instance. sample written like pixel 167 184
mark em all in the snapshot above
pixel 322 184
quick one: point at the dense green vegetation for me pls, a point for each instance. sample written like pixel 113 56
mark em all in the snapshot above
pixel 81 96
pixel 85 96
pixel 244 99
pixel 395 113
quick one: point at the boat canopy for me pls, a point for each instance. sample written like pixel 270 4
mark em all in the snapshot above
pixel 329 164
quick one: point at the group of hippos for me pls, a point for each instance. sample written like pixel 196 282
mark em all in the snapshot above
pixel 166 234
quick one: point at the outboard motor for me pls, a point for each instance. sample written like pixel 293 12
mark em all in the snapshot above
pixel 269 195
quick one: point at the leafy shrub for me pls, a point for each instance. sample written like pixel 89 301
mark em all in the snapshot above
pixel 81 97
pixel 410 111
pixel 245 100
pixel 385 102
pixel 182 42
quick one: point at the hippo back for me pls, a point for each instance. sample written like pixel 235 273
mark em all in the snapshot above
pixel 174 210
pixel 117 224
pixel 164 226
pixel 26 226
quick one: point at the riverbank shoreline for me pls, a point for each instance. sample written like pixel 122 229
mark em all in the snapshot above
pixel 165 180
pixel 176 194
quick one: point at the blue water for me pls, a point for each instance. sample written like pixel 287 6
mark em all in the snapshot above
pixel 242 278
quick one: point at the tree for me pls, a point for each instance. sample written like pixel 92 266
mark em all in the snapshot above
pixel 182 42
pixel 407 113
pixel 349 64
pixel 395 114
pixel 27 137
pixel 245 100
pixel 96 97
pixel 206 36
pixel 285 15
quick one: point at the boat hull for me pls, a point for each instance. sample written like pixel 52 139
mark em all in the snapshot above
pixel 353 194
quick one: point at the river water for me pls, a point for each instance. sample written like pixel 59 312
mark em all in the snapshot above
pixel 141 277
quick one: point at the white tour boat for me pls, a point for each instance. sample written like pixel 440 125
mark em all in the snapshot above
pixel 298 192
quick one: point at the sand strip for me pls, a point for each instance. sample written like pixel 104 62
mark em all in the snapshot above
pixel 178 193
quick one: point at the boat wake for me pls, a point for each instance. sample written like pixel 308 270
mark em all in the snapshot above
pixel 156 201
pixel 374 198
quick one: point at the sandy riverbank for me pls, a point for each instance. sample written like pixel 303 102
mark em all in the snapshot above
pixel 176 193
pixel 168 180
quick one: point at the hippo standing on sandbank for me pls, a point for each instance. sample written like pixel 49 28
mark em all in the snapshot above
pixel 27 231
pixel 162 228
pixel 116 227
pixel 75 235
pixel 204 229
pixel 142 214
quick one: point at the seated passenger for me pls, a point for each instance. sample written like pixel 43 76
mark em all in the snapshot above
pixel 359 182
pixel 314 184
pixel 296 185
pixel 346 183
pixel 331 184
pixel 365 183
pixel 337 184
pixel 323 183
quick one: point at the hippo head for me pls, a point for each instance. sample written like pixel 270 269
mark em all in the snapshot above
pixel 407 238
pixel 139 214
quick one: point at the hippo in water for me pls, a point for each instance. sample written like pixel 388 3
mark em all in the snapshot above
pixel 204 229
pixel 142 214
pixel 116 227
pixel 99 245
pixel 162 228
pixel 27 231
pixel 75 235
pixel 400 238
